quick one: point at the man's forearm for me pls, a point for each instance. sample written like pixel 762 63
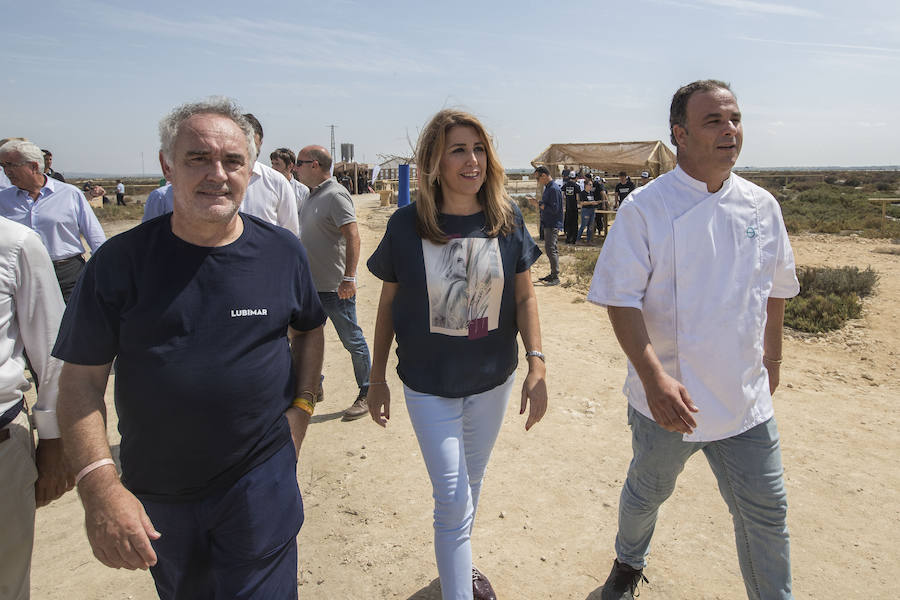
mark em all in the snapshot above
pixel 352 259
pixel 82 413
pixel 631 331
pixel 307 352
pixel 772 338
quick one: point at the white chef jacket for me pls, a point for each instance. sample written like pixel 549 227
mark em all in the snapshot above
pixel 701 268
pixel 271 198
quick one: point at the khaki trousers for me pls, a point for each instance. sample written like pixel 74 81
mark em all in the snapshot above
pixel 17 474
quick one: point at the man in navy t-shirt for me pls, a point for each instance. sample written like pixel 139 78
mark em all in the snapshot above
pixel 216 329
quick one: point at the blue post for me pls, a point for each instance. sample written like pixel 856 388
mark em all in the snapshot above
pixel 403 192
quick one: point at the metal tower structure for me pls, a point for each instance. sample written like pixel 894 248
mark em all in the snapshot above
pixel 332 139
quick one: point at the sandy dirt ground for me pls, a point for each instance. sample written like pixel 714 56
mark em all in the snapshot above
pixel 547 518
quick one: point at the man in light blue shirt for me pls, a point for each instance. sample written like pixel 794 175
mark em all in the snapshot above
pixel 57 211
pixel 159 202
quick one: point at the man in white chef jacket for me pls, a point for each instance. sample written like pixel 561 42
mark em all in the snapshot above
pixel 694 276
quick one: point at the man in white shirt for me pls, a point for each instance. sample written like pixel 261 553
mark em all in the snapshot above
pixel 694 275
pixel 269 196
pixel 120 193
pixel 282 160
pixel 31 307
pixel 57 211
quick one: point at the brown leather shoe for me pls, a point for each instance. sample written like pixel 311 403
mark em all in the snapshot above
pixel 481 587
pixel 359 408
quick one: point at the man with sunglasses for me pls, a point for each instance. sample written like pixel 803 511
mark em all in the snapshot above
pixel 331 238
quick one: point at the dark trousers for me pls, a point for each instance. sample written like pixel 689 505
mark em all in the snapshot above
pixel 236 543
pixel 571 221
pixel 67 272
pixel 120 199
pixel 551 236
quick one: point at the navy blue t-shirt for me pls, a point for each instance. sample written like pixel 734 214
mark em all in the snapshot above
pixel 454 312
pixel 204 370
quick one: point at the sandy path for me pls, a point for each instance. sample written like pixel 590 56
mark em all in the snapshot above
pixel 547 517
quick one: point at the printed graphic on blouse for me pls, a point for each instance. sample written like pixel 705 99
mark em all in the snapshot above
pixel 465 286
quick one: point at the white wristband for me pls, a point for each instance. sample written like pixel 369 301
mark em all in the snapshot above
pixel 93 467
pixel 349 279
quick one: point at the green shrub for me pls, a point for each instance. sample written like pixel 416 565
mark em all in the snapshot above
pixel 828 297
pixel 819 313
pixel 842 281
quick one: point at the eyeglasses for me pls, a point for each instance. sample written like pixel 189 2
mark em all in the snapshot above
pixel 301 162
pixel 7 165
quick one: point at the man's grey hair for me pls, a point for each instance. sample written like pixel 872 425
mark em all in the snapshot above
pixel 678 109
pixel 322 156
pixel 171 123
pixel 28 151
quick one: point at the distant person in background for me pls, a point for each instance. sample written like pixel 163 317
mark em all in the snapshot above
pixel 623 188
pixel 120 193
pixel 282 161
pixel 551 207
pixel 602 199
pixel 57 211
pixel 269 196
pixel 331 239
pixel 587 203
pixel 159 202
pixel 48 171
pixel 570 192
pixel 645 178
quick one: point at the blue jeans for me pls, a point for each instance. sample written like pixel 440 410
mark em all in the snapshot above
pixel 587 222
pixel 749 473
pixel 342 314
pixel 456 436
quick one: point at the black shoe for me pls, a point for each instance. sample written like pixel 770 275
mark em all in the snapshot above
pixel 554 281
pixel 545 278
pixel 622 582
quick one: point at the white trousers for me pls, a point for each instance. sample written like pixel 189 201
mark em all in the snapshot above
pixel 456 436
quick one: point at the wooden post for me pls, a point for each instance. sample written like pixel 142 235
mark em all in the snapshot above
pixel 884 202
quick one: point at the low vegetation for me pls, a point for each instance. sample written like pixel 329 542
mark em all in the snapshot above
pixel 828 297
pixel 835 202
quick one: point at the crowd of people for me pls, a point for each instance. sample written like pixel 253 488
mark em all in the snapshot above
pixel 234 272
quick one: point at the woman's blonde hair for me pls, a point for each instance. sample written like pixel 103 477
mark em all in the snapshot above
pixel 499 218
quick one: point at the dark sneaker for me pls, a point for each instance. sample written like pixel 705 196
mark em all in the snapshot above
pixel 481 587
pixel 359 408
pixel 622 582
pixel 545 278
pixel 554 281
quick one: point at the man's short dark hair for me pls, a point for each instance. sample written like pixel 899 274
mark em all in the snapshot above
pixel 623 174
pixel 46 152
pixel 678 109
pixel 285 155
pixel 256 125
pixel 542 170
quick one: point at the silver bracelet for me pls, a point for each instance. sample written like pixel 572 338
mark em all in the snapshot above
pixel 540 355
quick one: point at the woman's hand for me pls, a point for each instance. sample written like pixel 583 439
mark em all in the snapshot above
pixel 379 400
pixel 535 389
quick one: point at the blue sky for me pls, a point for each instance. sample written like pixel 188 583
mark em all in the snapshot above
pixel 817 82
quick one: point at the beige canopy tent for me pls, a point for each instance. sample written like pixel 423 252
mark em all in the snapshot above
pixel 612 157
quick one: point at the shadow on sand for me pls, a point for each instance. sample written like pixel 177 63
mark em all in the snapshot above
pixel 430 592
